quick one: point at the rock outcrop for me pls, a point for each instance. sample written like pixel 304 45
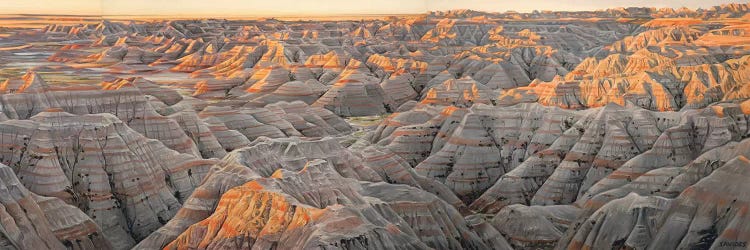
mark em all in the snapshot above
pixel 620 128
pixel 128 184
pixel 31 221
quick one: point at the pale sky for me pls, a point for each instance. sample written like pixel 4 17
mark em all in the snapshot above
pixel 270 8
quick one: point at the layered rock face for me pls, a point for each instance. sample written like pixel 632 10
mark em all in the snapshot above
pixel 128 184
pixel 663 69
pixel 121 97
pixel 316 205
pixel 469 149
pixel 336 65
pixel 356 93
pixel 165 115
pixel 556 167
pixel 31 221
pixel 622 128
pixel 709 206
pixel 313 186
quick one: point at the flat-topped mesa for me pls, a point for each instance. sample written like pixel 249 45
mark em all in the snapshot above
pixel 729 35
pixel 66 31
pixel 97 163
pixel 38 222
pixel 356 92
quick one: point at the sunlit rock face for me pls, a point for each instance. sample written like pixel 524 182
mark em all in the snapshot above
pixel 329 211
pixel 319 177
pixel 619 128
pixel 121 97
pixel 163 114
pixel 259 160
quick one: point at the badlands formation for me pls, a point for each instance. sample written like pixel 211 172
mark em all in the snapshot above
pixel 622 128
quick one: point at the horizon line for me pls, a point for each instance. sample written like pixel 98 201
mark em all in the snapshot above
pixel 291 15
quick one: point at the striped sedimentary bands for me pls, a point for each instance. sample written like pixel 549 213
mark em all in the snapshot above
pixel 306 186
pixel 308 91
pixel 356 93
pixel 182 124
pixel 469 149
pixel 556 167
pixel 128 184
pixel 547 155
pixel 259 160
pixel 710 205
pixel 534 226
pixel 125 160
pixel 621 128
pixel 311 205
pixel 39 222
pixel 645 78
pixel 393 169
pixel 341 68
pixel 122 99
